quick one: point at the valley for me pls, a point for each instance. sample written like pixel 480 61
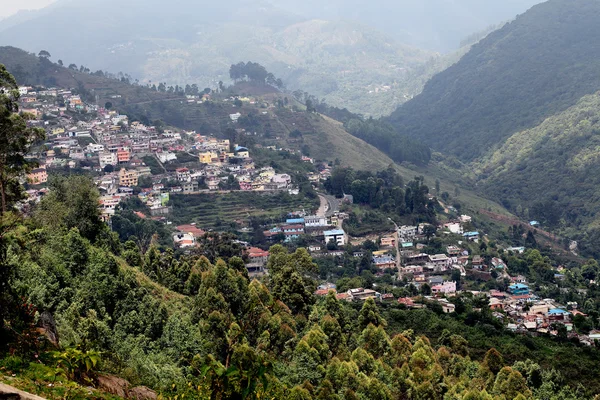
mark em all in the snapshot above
pixel 329 201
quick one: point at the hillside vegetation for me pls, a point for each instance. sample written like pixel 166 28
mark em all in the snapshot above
pixel 536 66
pixel 550 172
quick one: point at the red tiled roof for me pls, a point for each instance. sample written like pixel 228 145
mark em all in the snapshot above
pixel 324 292
pixel 256 252
pixel 191 229
pixel 140 214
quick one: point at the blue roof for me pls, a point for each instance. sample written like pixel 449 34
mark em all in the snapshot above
pixel 407 244
pixel 518 286
pixel 557 311
pixel 471 234
pixel 240 148
pixel 334 232
pixel 294 221
pixel 534 223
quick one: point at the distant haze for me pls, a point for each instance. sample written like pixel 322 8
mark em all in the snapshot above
pixel 10 7
pixel 366 55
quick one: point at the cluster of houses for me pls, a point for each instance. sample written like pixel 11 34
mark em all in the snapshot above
pixel 81 135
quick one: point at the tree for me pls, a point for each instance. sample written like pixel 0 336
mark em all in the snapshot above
pixel 72 203
pixel 108 105
pixel 60 62
pixel 44 54
pixel 369 314
pixel 16 138
pixel 73 67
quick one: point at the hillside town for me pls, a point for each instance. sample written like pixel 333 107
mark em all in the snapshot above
pixel 128 158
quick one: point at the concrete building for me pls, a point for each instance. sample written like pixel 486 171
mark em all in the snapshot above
pixel 338 236
pixel 128 178
pixel 107 159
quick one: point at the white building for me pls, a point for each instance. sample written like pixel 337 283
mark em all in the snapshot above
pixel 444 288
pixel 338 236
pixel 107 159
pixel 314 221
pixel 95 148
pixel 455 228
pixel 407 231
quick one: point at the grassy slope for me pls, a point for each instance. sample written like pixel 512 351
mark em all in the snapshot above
pixel 332 142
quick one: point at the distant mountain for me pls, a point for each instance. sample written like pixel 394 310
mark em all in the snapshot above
pixel 185 41
pixel 534 67
pixel 351 54
pixel 437 25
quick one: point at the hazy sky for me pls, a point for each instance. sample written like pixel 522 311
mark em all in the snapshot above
pixel 9 7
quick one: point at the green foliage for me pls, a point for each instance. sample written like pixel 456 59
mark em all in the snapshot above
pixel 382 135
pixel 76 364
pixel 472 106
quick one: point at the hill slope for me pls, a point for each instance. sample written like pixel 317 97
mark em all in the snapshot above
pixel 538 65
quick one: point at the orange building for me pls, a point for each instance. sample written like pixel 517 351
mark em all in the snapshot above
pixel 38 176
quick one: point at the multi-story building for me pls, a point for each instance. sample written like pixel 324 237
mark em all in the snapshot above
pixel 128 178
pixel 107 159
pixel 37 176
pixel 123 156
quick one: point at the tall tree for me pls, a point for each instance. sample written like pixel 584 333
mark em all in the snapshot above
pixel 16 138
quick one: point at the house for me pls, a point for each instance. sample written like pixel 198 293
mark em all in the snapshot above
pixel 448 308
pixel 498 263
pixel 472 236
pixel 191 229
pixel 518 289
pixel 412 269
pixel 128 178
pixel 444 288
pixel 386 298
pixel 107 159
pixel 440 260
pixel 519 250
pixel 37 176
pixel 496 304
pixel 454 227
pixel 384 262
pixel 453 250
pixel 123 156
pixel 407 231
pixel 362 294
pixel 257 260
pixel 183 174
pixel 184 240
pixel 477 262
pixel 388 241
pixel 557 314
pixel 190 187
pixel 315 221
pixel 338 236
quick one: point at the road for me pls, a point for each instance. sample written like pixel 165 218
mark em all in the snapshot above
pixel 333 204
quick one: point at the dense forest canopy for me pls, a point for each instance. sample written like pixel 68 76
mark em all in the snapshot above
pixel 502 86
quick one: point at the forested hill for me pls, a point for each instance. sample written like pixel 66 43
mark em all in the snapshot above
pixel 534 67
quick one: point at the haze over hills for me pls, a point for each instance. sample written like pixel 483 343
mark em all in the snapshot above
pixel 351 60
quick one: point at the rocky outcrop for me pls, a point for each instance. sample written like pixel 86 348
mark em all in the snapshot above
pixel 10 393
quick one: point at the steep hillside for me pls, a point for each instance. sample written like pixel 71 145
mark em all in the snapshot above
pixel 538 65
pixel 551 173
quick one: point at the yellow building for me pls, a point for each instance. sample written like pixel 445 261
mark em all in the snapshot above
pixel 128 178
pixel 206 157
pixel 58 131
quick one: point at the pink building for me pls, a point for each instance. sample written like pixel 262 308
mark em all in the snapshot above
pixel 444 288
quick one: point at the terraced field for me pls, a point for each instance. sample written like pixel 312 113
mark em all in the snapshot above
pixel 217 210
